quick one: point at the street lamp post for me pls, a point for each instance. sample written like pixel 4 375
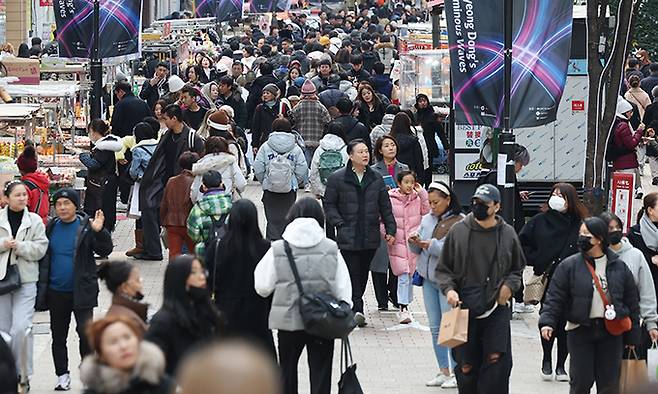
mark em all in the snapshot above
pixel 96 65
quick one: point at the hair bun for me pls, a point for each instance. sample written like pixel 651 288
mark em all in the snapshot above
pixel 29 152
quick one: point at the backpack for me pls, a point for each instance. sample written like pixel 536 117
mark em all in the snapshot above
pixel 613 151
pixel 217 230
pixel 330 162
pixel 280 172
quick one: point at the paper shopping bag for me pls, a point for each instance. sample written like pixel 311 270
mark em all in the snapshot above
pixel 133 209
pixel 652 363
pixel 633 374
pixel 454 328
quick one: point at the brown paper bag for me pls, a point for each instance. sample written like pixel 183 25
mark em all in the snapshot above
pixel 454 328
pixel 633 374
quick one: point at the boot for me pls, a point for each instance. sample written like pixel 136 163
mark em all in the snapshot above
pixel 139 244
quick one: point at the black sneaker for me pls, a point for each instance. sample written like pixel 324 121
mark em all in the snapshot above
pixel 561 374
pixel 546 371
pixel 147 257
pixel 654 182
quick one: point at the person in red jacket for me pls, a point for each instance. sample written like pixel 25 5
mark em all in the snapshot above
pixel 37 183
pixel 625 137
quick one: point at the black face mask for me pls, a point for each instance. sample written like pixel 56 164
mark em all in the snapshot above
pixel 480 211
pixel 615 237
pixel 198 293
pixel 584 243
pixel 138 296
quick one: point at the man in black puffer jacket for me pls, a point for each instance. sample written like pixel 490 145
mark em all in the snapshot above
pixel 355 201
pixel 351 126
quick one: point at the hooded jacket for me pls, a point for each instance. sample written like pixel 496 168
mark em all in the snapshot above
pixel 100 161
pixel 38 199
pixel 387 54
pixel 227 165
pixel 142 153
pixel 627 138
pixel 281 143
pixel 452 271
pixel 408 211
pixel 356 208
pixel 32 245
pixel 256 91
pixel 264 116
pixel 328 142
pixel 85 279
pixel 147 377
pixel 570 293
pixel 639 267
pixel 321 269
pixel 382 129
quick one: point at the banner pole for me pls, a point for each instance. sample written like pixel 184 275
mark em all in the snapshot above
pixel 96 66
pixel 506 140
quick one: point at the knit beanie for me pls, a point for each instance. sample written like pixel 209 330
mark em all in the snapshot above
pixel 27 160
pixel 69 194
pixel 219 121
pixel 272 88
pixel 308 88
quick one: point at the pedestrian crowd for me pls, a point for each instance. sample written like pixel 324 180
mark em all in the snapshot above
pixel 308 110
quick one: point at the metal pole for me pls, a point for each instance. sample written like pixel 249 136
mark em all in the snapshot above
pixel 436 26
pixel 96 66
pixel 506 140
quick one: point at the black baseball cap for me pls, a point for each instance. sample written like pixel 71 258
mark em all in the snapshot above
pixel 487 193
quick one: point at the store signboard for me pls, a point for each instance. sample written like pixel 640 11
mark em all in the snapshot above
pixel 120 27
pixel 467 166
pixel 469 136
pixel 623 186
pixel 46 3
pixel 542 41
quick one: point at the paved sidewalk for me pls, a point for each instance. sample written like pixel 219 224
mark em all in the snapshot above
pixel 391 358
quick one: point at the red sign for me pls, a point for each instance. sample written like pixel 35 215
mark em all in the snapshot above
pixel 623 187
pixel 166 29
pixel 577 105
pixel 46 3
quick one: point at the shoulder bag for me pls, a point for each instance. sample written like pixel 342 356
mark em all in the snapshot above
pixel 12 279
pixel 323 315
pixel 614 326
pixel 348 383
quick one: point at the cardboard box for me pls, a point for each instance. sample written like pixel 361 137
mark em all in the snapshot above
pixel 28 71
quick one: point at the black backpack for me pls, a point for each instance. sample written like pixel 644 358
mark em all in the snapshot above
pixel 613 150
pixel 217 230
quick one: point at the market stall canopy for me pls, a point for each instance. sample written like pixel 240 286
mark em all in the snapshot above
pixel 44 89
pixel 18 111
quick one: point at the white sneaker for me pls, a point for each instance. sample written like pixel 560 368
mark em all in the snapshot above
pixel 360 319
pixel 520 307
pixel 450 383
pixel 405 317
pixel 437 381
pixel 63 383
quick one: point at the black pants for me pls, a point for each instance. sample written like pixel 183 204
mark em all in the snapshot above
pixel 61 306
pixel 476 372
pixel 124 182
pixel 151 231
pixel 276 207
pixel 320 355
pixel 358 264
pixel 386 286
pixel 595 357
pixel 560 336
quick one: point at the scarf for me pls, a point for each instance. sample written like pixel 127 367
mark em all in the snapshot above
pixel 649 232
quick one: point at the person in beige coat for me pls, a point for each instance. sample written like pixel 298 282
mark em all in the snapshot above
pixel 23 243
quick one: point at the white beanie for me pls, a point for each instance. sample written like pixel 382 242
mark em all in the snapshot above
pixel 623 106
pixel 175 83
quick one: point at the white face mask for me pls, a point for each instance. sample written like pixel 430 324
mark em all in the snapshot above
pixel 557 203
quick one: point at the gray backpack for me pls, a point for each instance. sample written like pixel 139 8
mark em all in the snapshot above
pixel 280 172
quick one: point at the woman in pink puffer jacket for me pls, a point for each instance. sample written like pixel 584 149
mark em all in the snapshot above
pixel 410 203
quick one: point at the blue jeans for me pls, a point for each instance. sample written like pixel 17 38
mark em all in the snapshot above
pixel 435 304
pixel 405 289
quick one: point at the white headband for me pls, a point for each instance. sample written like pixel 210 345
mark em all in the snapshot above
pixel 218 126
pixel 440 187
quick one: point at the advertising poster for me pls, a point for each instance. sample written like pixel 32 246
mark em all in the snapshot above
pixel 120 27
pixel 541 44
pixel 467 166
pixel 267 6
pixel 623 188
pixel 204 8
pixel 470 137
pixel 229 10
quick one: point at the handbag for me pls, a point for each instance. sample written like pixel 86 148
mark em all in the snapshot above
pixel 417 280
pixel 534 289
pixel 12 279
pixel 322 314
pixel 614 326
pixel 633 373
pixel 348 383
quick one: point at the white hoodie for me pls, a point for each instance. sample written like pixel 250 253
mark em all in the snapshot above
pixel 302 233
pixel 328 142
pixel 227 165
pixel 637 264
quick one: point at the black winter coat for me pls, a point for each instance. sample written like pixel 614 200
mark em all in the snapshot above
pixel 569 295
pixel 354 129
pixel 261 122
pixel 151 94
pixel 410 152
pixel 635 238
pixel 256 91
pixel 129 111
pixel 368 118
pixel 154 181
pixel 561 229
pixel 330 96
pixel 356 209
pixel 235 101
pixel 85 280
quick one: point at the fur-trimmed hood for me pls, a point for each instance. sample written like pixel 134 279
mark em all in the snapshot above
pixel 110 143
pixel 214 161
pixel 101 378
pixel 381 45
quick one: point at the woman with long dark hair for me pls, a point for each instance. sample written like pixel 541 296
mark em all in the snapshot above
pixel 188 317
pixel 409 151
pixel 587 308
pixel 231 273
pixel 371 108
pixel 321 270
pixel 558 222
